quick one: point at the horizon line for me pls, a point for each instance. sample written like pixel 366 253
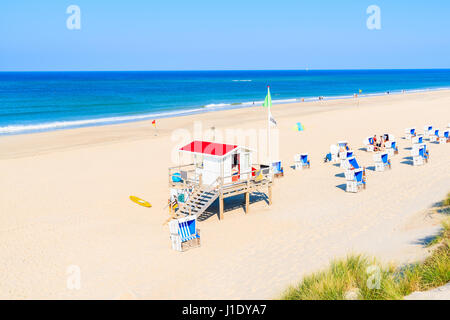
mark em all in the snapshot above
pixel 229 70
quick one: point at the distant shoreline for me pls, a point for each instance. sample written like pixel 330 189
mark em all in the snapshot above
pixel 104 121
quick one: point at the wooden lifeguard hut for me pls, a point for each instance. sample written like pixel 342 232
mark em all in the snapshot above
pixel 218 171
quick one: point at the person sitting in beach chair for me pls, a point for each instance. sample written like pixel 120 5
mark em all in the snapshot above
pixel 426 153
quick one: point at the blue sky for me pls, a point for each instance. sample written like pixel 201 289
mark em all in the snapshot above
pixel 223 35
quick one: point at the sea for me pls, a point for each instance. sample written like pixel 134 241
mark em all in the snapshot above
pixel 43 101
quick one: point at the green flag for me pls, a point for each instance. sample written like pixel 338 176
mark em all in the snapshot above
pixel 268 100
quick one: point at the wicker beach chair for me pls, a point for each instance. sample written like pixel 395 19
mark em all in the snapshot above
pixel 277 169
pixel 355 180
pixel 444 136
pixel 382 161
pixel 184 233
pixel 419 154
pixel 369 144
pixel 410 133
pixel 301 161
pixel 343 156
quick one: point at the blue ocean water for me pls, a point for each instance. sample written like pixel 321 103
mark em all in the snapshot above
pixel 39 101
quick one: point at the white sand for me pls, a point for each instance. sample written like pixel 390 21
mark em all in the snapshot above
pixel 64 201
pixel 441 293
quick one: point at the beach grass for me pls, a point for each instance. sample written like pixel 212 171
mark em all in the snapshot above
pixel 446 202
pixel 360 277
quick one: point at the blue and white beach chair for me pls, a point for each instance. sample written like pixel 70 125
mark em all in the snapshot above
pixel 356 180
pixel 435 136
pixel 381 161
pixel 410 132
pixel 353 165
pixel 391 148
pixel 277 169
pixel 369 143
pixel 342 144
pixel 426 152
pixel 334 152
pixel 427 131
pixel 184 233
pixel 419 154
pixel 301 161
pixel 417 139
pixel 343 156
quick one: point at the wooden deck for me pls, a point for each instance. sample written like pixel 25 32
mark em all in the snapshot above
pixel 203 195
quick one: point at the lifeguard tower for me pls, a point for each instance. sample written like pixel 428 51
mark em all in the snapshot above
pixel 218 171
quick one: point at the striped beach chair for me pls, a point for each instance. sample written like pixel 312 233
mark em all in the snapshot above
pixel 435 136
pixel 355 180
pixel 342 144
pixel 417 139
pixel 343 156
pixel 354 165
pixel 369 144
pixel 334 152
pixel 427 131
pixel 184 233
pixel 382 161
pixel 391 148
pixel 444 136
pixel 410 133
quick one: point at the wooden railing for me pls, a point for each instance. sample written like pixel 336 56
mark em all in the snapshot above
pixel 190 178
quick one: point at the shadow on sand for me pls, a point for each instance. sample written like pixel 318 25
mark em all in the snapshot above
pixel 232 203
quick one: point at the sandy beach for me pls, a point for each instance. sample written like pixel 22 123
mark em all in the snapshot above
pixel 64 200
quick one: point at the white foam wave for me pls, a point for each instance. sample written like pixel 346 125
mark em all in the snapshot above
pixel 12 129
pixel 217 105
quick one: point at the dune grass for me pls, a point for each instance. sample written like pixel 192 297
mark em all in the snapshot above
pixel 364 278
pixel 446 202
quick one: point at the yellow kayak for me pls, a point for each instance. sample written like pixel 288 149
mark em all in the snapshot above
pixel 140 201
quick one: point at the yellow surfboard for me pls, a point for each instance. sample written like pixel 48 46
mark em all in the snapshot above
pixel 140 202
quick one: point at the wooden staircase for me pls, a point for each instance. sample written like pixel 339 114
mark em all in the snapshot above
pixel 199 200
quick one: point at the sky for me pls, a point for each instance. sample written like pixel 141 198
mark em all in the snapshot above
pixel 223 35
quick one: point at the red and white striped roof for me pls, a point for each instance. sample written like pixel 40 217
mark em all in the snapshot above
pixel 209 148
